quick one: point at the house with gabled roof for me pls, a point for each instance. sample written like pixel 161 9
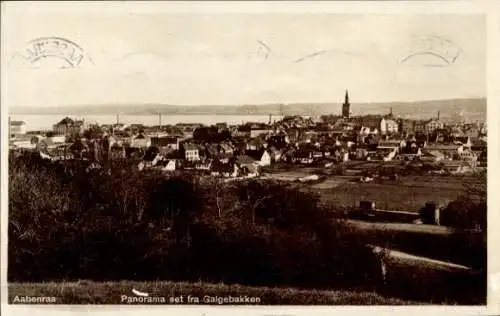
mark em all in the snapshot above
pixel 262 156
pixel 448 150
pixel 255 144
pixel 140 141
pixel 247 164
pixel 463 140
pixel 388 126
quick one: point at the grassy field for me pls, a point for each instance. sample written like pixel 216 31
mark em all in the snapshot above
pixel 436 242
pixel 401 228
pixel 86 292
pixel 410 280
pixel 409 194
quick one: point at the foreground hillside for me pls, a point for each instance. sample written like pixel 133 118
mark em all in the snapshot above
pixel 69 223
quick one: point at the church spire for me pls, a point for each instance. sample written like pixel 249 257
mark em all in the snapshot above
pixel 346 106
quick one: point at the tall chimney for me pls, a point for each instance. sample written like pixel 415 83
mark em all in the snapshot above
pixel 439 114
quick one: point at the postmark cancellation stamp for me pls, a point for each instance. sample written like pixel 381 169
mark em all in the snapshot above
pixel 51 52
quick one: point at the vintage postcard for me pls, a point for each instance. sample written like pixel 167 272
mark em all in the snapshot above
pixel 272 158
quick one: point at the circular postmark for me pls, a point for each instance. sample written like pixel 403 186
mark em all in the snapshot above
pixel 431 51
pixel 52 52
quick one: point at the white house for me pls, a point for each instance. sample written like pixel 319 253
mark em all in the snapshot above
pixel 265 160
pixel 140 142
pixel 388 126
pixel 276 154
pixel 388 150
pixel 191 152
pixel 170 166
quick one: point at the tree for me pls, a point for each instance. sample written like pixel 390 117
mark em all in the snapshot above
pixel 469 210
pixel 176 201
pixel 205 134
pixel 285 205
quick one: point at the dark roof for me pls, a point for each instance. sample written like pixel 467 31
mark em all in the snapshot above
pixel 244 159
pixel 115 146
pixel 163 141
pixel 420 137
pixel 222 167
pixel 66 121
pixel 439 147
pixel 389 143
pixel 349 139
pixel 410 150
pixel 78 145
pixel 188 146
pixel 462 139
pixel 225 155
pixel 256 141
pixel 150 154
pixel 476 142
pixel 212 149
pixel 255 154
pixel 304 152
pixel 372 121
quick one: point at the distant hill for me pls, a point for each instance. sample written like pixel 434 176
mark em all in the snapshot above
pixel 472 109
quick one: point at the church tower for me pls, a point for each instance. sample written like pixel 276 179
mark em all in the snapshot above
pixel 346 106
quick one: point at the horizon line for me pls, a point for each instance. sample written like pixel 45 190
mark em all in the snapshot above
pixel 248 104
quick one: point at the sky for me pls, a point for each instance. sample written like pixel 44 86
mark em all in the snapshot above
pixel 218 59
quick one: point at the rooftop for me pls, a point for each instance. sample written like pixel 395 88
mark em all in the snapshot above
pixel 244 159
pixel 17 123
pixel 190 147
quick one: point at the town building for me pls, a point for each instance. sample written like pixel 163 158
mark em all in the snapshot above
pixel 409 153
pixel 68 126
pixel 433 125
pixel 140 141
pixel 191 152
pixel 260 132
pixel 388 126
pixel 17 128
pixel 165 143
pixel 407 127
pixel 420 127
pixel 262 157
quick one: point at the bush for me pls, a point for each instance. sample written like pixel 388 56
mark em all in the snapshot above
pixel 469 210
pixel 465 214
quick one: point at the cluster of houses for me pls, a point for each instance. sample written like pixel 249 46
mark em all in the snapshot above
pixel 243 150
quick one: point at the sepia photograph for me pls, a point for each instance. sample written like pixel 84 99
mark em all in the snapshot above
pixel 232 158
